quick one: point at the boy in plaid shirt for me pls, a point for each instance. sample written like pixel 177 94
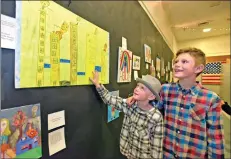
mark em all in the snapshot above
pixel 193 124
pixel 142 131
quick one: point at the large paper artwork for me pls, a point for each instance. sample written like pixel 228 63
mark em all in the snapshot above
pixel 56 47
pixel 124 65
pixel 21 132
pixel 136 62
pixel 112 113
pixel 147 54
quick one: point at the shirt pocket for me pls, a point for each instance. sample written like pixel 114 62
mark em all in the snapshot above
pixel 197 113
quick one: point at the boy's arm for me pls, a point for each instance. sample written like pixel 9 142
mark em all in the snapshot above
pixel 115 101
pixel 156 137
pixel 215 131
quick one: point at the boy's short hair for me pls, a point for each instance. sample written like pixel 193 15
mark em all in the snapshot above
pixel 198 55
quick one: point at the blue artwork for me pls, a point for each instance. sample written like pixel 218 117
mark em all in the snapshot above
pixel 112 113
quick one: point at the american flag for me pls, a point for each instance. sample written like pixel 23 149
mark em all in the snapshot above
pixel 212 73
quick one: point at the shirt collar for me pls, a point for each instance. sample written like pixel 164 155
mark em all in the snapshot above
pixel 149 113
pixel 193 90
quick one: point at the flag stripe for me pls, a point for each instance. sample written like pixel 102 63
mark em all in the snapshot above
pixel 212 75
pixel 211 78
pixel 211 83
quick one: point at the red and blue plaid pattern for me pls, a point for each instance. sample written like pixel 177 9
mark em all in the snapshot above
pixel 193 126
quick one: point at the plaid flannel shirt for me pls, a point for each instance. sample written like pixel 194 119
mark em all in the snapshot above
pixel 193 124
pixel 142 131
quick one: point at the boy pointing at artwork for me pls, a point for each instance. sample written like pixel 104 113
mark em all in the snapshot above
pixel 142 131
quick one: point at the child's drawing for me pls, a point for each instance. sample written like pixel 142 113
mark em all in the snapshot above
pixel 124 65
pixel 147 54
pixel 21 132
pixel 136 62
pixel 112 113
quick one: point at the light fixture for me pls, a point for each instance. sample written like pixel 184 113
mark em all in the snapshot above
pixel 206 30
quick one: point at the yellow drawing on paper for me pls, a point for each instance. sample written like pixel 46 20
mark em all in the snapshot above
pixel 56 47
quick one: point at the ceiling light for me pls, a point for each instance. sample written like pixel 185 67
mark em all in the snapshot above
pixel 207 30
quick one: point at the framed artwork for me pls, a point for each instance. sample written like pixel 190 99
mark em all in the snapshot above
pixel 157 64
pixel 124 65
pixel 136 62
pixel 147 53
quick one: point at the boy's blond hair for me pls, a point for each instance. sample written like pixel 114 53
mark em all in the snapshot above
pixel 197 54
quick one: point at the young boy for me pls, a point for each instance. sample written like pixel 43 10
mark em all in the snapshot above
pixel 193 126
pixel 142 131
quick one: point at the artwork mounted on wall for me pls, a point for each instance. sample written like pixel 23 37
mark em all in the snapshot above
pixel 112 113
pixel 157 64
pixel 64 48
pixel 21 132
pixel 124 65
pixel 169 68
pixel 136 62
pixel 147 53
pixel 153 71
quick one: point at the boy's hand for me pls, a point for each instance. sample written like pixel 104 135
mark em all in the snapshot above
pixel 95 79
pixel 130 101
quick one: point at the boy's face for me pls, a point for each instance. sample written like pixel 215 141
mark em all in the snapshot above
pixel 185 66
pixel 142 93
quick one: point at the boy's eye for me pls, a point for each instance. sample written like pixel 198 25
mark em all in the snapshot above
pixel 184 61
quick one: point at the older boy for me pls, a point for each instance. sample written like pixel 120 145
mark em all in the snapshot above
pixel 193 126
pixel 142 131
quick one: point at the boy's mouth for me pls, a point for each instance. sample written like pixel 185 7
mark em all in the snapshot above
pixel 177 70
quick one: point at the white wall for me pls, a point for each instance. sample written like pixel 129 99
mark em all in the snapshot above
pixel 160 20
pixel 212 46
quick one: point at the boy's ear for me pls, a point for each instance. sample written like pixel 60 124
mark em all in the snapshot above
pixel 199 68
pixel 151 97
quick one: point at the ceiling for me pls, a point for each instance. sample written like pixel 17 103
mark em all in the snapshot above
pixel 189 18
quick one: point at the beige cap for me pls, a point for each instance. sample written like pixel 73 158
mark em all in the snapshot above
pixel 152 83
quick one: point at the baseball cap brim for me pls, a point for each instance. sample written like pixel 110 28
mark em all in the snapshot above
pixel 149 87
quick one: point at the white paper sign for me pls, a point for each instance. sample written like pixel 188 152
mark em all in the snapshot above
pixel 146 66
pixel 56 119
pixel 124 43
pixel 8 32
pixel 135 75
pixel 56 141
